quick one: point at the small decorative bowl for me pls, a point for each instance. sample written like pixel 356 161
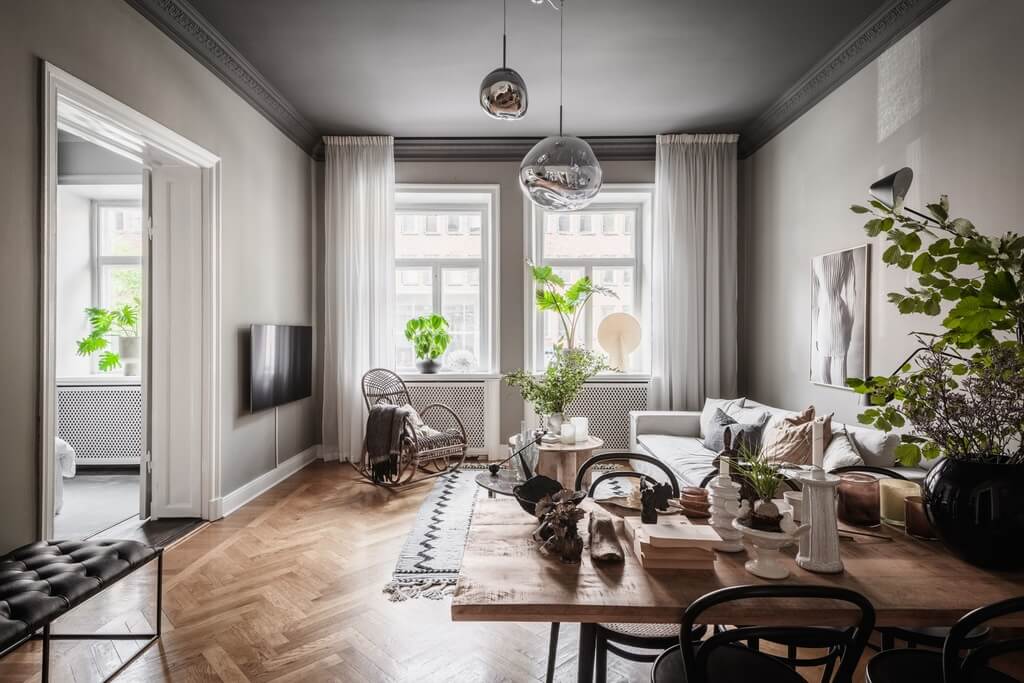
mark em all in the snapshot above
pixel 530 492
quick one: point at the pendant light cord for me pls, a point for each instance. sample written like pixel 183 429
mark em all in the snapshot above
pixel 561 64
pixel 504 34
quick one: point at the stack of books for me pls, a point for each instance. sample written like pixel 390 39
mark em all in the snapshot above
pixel 672 543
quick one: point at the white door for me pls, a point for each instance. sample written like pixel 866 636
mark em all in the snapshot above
pixel 176 347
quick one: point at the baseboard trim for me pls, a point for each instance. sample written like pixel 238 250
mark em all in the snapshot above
pixel 243 494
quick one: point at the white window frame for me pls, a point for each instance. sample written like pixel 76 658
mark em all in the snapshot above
pixel 635 197
pixel 97 260
pixel 457 198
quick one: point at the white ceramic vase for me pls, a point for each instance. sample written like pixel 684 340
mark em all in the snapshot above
pixel 766 562
pixel 129 350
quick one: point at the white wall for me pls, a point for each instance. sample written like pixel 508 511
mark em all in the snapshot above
pixel 74 280
pixel 947 101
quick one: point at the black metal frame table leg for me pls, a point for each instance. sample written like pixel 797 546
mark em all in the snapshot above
pixel 46 654
pixel 585 657
pixel 549 676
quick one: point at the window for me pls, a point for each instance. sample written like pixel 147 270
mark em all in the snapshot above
pixel 447 268
pixel 604 242
pixel 117 268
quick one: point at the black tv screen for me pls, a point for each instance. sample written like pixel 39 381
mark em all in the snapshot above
pixel 280 365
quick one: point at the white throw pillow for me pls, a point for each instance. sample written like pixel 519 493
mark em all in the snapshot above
pixel 841 453
pixel 707 415
pixel 748 415
pixel 876 448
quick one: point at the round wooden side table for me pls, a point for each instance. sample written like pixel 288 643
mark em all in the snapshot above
pixel 561 461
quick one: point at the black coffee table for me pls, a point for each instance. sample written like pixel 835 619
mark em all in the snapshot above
pixel 500 484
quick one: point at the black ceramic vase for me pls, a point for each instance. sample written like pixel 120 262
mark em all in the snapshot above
pixel 977 510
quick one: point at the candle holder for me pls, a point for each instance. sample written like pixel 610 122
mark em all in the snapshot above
pixel 819 547
pixel 858 500
pixel 893 493
pixel 724 496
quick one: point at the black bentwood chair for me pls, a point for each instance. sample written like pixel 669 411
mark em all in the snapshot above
pixel 613 637
pixel 726 657
pixel 896 666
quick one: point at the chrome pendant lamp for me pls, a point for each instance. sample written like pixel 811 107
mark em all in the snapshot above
pixel 503 91
pixel 561 172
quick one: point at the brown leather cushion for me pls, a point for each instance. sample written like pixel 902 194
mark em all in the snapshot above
pixel 41 581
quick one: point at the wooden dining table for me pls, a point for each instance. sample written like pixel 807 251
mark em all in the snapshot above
pixel 505 577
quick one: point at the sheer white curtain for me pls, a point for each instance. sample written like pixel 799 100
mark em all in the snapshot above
pixel 693 274
pixel 359 247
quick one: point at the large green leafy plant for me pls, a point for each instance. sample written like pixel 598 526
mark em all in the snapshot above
pixel 428 335
pixel 963 393
pixel 122 321
pixel 570 366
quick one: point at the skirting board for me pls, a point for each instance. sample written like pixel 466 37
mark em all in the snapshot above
pixel 222 507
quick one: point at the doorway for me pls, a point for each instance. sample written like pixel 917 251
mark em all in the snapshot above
pixel 129 321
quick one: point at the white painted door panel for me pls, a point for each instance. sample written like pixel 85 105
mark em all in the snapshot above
pixel 177 308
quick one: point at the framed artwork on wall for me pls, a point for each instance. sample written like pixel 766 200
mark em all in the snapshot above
pixel 839 316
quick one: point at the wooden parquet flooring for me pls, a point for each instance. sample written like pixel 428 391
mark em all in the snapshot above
pixel 289 589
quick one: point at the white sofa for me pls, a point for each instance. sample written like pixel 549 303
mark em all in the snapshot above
pixel 674 438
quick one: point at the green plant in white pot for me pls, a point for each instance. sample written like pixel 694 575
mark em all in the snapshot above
pixel 429 337
pixel 122 322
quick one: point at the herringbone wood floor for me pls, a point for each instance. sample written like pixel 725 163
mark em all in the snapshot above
pixel 289 589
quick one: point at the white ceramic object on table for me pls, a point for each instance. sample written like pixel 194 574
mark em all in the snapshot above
pixel 766 562
pixel 724 497
pixel 568 433
pixel 582 427
pixel 819 548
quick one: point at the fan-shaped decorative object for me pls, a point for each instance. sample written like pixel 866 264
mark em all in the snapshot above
pixel 619 335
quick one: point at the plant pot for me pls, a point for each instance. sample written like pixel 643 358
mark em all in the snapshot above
pixel 977 510
pixel 129 349
pixel 428 366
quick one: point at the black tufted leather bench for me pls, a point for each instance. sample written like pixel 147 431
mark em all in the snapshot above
pixel 42 581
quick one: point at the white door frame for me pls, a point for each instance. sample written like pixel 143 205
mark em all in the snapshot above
pixel 130 132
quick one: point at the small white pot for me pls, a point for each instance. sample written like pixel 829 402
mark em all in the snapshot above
pixel 766 545
pixel 129 349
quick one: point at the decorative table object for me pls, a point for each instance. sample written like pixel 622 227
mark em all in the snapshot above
pixel 724 497
pixel 559 532
pixel 893 493
pixel 648 502
pixel 604 542
pixel 582 427
pixel 694 502
pixel 766 562
pixel 819 547
pixel 568 434
pixel 916 517
pixel 858 500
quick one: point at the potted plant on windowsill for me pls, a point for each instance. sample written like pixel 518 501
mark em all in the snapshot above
pixel 570 366
pixel 429 337
pixel 123 322
pixel 963 394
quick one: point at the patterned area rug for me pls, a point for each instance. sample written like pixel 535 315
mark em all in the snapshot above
pixel 428 564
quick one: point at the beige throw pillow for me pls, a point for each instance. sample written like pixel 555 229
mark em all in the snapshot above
pixel 789 440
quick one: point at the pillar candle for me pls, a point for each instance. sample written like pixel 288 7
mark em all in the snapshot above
pixel 582 427
pixel 893 494
pixel 568 433
pixel 817 443
pixel 723 467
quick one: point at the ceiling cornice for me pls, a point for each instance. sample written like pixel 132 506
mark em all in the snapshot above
pixel 507 149
pixel 877 33
pixel 187 27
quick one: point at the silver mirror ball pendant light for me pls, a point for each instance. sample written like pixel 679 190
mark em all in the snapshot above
pixel 561 172
pixel 503 91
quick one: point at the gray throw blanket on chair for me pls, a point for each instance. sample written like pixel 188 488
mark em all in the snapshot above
pixel 384 430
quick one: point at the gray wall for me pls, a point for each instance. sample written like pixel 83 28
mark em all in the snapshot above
pixel 266 213
pixel 512 248
pixel 947 101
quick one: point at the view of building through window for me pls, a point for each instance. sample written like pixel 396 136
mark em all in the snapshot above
pixel 442 265
pixel 602 242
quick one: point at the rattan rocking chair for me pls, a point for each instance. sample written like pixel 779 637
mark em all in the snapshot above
pixel 426 453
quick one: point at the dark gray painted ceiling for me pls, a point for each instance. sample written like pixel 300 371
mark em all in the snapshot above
pixel 411 68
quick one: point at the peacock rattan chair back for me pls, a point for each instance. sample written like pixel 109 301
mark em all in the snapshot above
pixel 384 386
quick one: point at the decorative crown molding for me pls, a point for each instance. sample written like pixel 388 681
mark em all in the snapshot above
pixel 507 149
pixel 877 33
pixel 188 28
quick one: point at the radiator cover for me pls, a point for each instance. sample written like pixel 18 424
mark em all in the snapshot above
pixel 102 423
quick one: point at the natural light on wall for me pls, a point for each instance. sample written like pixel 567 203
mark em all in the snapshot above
pixel 605 242
pixel 445 238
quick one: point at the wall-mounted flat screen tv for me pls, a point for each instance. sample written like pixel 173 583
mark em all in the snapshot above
pixel 280 365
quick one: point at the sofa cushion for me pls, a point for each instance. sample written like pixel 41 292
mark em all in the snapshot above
pixel 684 455
pixel 713 404
pixel 750 434
pixel 790 440
pixel 841 452
pixel 877 448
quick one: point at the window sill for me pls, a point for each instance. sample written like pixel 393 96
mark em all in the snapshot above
pixel 449 376
pixel 99 380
